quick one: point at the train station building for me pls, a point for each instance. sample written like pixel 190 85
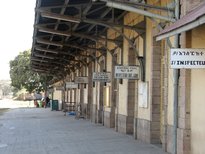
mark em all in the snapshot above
pixel 135 66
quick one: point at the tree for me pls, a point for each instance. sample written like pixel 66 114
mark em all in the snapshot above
pixel 22 75
pixel 6 89
pixel 5 86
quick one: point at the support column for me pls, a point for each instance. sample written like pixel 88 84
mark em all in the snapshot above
pixel 148 130
pixel 100 112
pixel 126 122
pixel 132 96
pixel 91 94
pixel 109 110
pixel 156 93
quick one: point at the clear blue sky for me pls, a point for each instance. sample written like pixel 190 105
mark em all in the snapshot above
pixel 16 31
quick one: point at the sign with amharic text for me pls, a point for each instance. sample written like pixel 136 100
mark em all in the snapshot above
pixel 187 58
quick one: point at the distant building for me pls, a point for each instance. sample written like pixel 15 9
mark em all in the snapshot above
pixel 1 93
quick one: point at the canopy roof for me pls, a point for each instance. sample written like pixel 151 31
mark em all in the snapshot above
pixel 66 32
pixel 69 33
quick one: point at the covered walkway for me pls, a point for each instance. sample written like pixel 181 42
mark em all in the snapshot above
pixel 39 130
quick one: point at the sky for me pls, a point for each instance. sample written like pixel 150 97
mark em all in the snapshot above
pixel 16 31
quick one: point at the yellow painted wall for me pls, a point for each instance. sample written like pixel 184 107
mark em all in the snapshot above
pixel 123 91
pixel 109 63
pixel 69 96
pixel 198 98
pixel 123 98
pixel 85 95
pixel 57 94
pixel 129 19
pixel 145 113
pixel 106 96
pixel 163 3
pixel 73 94
pixel 78 96
pixel 170 98
pixel 107 92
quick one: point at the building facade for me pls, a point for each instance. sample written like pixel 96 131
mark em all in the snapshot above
pixel 159 105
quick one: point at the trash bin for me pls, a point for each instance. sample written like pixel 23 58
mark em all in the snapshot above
pixel 40 103
pixel 54 105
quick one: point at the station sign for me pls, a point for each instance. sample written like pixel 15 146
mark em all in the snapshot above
pixel 127 72
pixel 187 58
pixel 59 88
pixel 81 79
pixel 101 77
pixel 71 85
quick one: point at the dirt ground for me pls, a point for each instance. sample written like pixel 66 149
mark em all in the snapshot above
pixel 9 104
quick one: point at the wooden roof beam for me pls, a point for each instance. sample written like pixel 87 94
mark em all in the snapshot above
pixel 44 41
pixel 45 50
pixel 36 59
pixel 77 5
pixel 43 56
pixel 90 21
pixel 66 33
pixel 52 31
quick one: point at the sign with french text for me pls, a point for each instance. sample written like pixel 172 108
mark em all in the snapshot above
pixel 127 72
pixel 187 58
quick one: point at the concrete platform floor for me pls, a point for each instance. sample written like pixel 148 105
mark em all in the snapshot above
pixel 42 131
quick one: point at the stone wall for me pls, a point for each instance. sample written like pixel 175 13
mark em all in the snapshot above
pixel 125 124
pixel 156 92
pixel 143 130
pixel 109 119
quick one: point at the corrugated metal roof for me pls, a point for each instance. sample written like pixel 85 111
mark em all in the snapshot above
pixel 185 20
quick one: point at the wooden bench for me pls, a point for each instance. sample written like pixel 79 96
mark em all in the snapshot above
pixel 69 107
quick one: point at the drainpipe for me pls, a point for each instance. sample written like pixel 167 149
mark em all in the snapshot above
pixel 176 84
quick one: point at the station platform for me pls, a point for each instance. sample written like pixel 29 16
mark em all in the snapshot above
pixel 42 131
